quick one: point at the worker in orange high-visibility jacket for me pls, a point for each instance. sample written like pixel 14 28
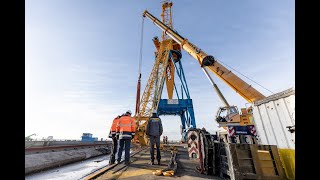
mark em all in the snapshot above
pixel 112 134
pixel 126 129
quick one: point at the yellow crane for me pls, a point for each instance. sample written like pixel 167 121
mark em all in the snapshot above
pixel 207 61
pixel 163 69
pixel 245 90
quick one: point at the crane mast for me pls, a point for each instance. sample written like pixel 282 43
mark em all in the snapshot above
pixel 166 16
pixel 163 71
pixel 241 87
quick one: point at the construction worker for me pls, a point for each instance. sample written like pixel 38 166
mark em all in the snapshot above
pixel 154 131
pixel 126 129
pixel 112 135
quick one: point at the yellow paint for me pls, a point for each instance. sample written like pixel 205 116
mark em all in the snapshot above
pixel 166 16
pixel 245 120
pixel 287 157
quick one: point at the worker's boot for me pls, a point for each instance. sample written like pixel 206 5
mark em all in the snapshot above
pixel 111 161
pixel 158 161
pixel 151 162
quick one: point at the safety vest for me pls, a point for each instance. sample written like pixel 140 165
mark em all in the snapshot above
pixel 113 128
pixel 126 127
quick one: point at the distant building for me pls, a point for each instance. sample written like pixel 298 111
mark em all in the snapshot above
pixel 88 137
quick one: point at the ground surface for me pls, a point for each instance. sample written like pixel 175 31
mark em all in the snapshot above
pixel 140 169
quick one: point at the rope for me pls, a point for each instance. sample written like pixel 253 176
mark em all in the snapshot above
pixel 247 77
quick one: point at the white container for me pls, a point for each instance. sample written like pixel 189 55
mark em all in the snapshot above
pixel 271 117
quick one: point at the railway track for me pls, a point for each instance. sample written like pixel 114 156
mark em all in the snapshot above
pixel 104 169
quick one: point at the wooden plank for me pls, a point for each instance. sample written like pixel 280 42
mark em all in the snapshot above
pixel 267 164
pixel 243 153
pixel 264 155
pixel 247 170
pixel 277 160
pixel 235 162
pixel 245 162
pixel 255 159
pixel 230 161
pixel 268 171
pixel 254 176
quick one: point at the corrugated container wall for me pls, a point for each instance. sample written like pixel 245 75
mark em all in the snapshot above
pixel 272 116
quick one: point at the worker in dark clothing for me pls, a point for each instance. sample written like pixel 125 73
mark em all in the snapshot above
pixel 126 129
pixel 112 135
pixel 154 131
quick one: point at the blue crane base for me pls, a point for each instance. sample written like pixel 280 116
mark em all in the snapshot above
pixel 181 107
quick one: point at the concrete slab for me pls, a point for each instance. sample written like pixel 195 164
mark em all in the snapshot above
pixel 42 161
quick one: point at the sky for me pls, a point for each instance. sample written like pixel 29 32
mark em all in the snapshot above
pixel 81 58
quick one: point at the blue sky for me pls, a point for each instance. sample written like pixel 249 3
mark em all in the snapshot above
pixel 82 58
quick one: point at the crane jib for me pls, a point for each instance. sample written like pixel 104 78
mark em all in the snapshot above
pixel 236 83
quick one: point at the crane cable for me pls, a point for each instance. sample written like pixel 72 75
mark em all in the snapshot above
pixel 247 77
pixel 141 45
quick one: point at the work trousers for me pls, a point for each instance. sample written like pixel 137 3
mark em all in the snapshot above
pixel 155 140
pixel 126 144
pixel 114 150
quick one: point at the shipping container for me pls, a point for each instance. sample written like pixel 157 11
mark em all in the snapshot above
pixel 273 116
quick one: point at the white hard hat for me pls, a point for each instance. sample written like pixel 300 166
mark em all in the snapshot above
pixel 129 112
pixel 154 111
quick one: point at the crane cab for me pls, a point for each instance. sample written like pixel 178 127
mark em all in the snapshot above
pixel 231 116
pixel 226 115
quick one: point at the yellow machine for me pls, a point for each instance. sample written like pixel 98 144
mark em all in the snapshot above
pixel 163 69
pixel 241 87
pixel 227 114
pixel 209 62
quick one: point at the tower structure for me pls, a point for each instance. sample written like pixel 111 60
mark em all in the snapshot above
pixel 167 63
